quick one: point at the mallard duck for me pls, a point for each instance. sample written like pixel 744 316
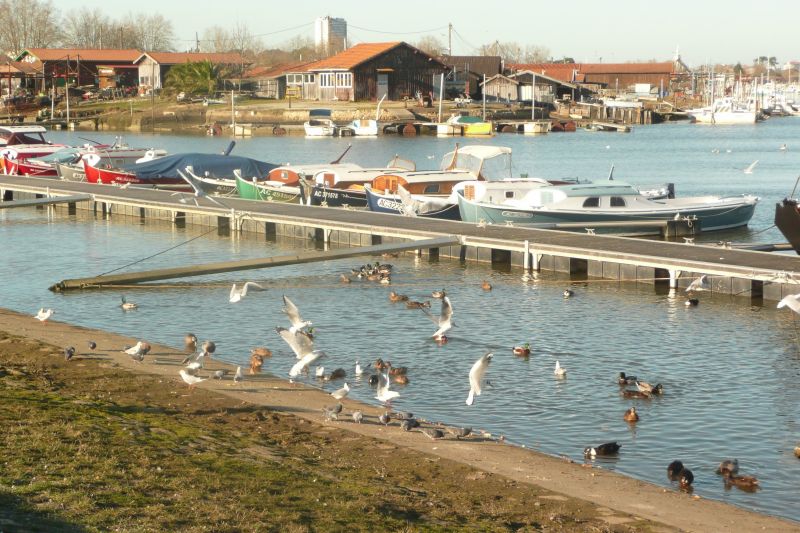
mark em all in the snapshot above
pixel 650 389
pixel 394 297
pixel 400 379
pixel 261 352
pixel 439 294
pixel 339 373
pixel 685 478
pixel 568 293
pixel 345 279
pixel 523 350
pixel 190 342
pixel 411 304
pixel 628 393
pixel 746 483
pixel 486 285
pixel 385 279
pixel 674 469
pixel 609 448
pixel 626 380
pixel 692 302
pixel 256 362
pixel 380 365
pixel 728 467
pixel 631 415
pixel 398 370
pixel 126 305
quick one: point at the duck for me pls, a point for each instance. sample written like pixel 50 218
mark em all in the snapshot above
pixel 568 293
pixel 728 467
pixel 523 350
pixel 674 469
pixel 190 342
pixel 692 302
pixel 209 347
pixel 797 451
pixel 560 372
pixel 650 389
pixel 685 479
pixel 609 448
pixel 339 373
pixel 385 279
pixel 439 294
pixel 629 394
pixel 398 370
pixel 127 306
pixel 345 279
pixel 411 304
pixel 394 297
pixel 746 483
pixel 631 415
pixel 380 365
pixel 256 362
pixel 400 379
pixel 626 380
pixel 486 285
pixel 441 340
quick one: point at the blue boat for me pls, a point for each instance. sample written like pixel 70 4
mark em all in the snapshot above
pixel 426 207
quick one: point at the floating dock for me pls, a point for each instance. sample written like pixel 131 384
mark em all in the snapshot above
pixel 757 275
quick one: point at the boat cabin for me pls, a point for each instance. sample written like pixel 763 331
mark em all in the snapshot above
pixel 10 135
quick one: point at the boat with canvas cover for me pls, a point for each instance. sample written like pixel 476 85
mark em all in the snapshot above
pixel 605 201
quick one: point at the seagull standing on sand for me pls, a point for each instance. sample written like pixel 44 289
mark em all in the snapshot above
pixel 44 315
pixel 238 377
pixel 476 374
pixel 384 394
pixel 341 393
pixel 237 294
pixel 190 379
pixel 445 319
pixel 294 316
pixel 137 351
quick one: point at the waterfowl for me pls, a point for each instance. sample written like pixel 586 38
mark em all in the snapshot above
pixel 486 285
pixel 559 371
pixel 69 352
pixel 631 415
pixel 44 315
pixel 190 342
pixel 341 393
pixel 261 351
pixel 345 279
pixel 439 294
pixel 190 379
pixel 628 393
pixel 400 379
pixel 126 305
pixel 373 380
pixel 746 483
pixel 728 467
pixel 339 373
pixel 674 469
pixel 385 279
pixel 237 294
pixel 523 350
pixel 441 340
pixel 685 478
pixel 394 297
pixel 609 448
pixel 238 376
pixel 410 304
pixel 797 451
pixel 648 388
pixel 92 345
pixel 359 371
pixel 626 380
pixel 209 347
pixel 693 302
pixel 319 372
pixel 380 365
pixel 568 293
pixel 256 362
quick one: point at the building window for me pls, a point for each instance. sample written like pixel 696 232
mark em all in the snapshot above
pixel 336 79
pixel 308 78
pixel 144 80
pixel 294 79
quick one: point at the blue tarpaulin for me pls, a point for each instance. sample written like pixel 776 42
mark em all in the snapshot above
pixel 204 165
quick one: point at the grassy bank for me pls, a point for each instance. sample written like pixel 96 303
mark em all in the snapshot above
pixel 89 446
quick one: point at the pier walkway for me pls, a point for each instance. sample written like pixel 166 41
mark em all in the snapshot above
pixel 745 273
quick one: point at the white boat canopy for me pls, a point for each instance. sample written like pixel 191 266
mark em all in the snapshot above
pixel 491 162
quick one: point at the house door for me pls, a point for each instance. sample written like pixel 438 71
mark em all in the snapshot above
pixel 383 86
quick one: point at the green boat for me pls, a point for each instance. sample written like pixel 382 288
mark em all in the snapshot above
pixel 267 191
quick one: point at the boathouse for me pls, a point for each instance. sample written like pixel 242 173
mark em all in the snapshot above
pixel 466 74
pixel 82 66
pixel 154 66
pixel 271 82
pixel 517 87
pixel 368 71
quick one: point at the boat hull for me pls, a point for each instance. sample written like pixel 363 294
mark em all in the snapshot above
pixel 382 203
pixel 787 220
pixel 71 172
pixel 266 193
pixel 710 218
pixel 332 197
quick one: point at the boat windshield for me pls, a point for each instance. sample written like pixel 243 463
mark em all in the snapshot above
pixel 496 167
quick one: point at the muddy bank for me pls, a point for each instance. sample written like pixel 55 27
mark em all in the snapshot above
pixel 103 442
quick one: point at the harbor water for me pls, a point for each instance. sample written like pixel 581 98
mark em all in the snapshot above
pixel 729 369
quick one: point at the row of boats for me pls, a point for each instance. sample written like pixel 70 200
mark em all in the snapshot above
pixel 473 184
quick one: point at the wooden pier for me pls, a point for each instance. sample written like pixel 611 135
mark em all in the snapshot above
pixel 738 272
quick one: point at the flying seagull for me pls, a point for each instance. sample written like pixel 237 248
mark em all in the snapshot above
pixel 384 394
pixel 294 316
pixel 750 167
pixel 792 302
pixel 444 320
pixel 476 374
pixel 238 293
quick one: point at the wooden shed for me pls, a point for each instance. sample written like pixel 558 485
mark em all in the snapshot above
pixel 500 87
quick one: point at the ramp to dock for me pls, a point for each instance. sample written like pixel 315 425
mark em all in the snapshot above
pixel 46 201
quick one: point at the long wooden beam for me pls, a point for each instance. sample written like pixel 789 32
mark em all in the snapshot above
pixel 46 201
pixel 249 264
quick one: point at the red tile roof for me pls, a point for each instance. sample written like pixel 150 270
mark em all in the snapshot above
pixel 559 71
pixel 176 58
pixel 276 70
pixel 354 56
pixel 665 67
pixel 84 54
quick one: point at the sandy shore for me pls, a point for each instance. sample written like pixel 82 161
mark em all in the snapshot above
pixel 617 499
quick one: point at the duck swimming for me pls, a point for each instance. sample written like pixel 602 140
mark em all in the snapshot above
pixel 674 469
pixel 522 351
pixel 650 389
pixel 631 415
pixel 609 448
pixel 728 467
pixel 411 304
pixel 745 483
pixel 685 478
pixel 626 380
pixel 568 293
pixel 486 286
pixel 127 306
pixel 439 294
pixel 394 297
pixel 693 302
pixel 629 394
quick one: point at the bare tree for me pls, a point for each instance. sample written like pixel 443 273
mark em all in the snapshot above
pixel 431 45
pixel 150 32
pixel 216 39
pixel 28 24
pixel 513 52
pixel 536 53
pixel 85 28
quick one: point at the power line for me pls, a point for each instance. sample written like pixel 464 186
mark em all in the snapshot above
pixel 255 35
pixel 397 32
pixel 474 48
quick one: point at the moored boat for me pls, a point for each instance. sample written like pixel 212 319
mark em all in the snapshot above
pixel 787 220
pixel 266 191
pixel 606 201
pixel 421 206
pixel 319 123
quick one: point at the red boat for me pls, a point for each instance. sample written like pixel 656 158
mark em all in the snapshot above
pixel 101 170
pixel 18 143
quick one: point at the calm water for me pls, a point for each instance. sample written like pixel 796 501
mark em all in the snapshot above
pixel 729 370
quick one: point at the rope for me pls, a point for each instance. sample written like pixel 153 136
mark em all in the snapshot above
pixel 159 253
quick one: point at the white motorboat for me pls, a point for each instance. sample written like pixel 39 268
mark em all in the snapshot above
pixel 320 124
pixel 724 111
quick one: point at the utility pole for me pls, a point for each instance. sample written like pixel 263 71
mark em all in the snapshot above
pixel 450 39
pixel 196 42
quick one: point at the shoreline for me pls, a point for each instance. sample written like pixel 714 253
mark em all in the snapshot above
pixel 599 487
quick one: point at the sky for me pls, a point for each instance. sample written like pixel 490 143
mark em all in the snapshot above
pixel 704 31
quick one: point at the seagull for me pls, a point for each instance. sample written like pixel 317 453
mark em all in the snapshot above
pixel 300 343
pixel 444 320
pixel 44 314
pixel 238 294
pixel 341 393
pixel 358 416
pixel 560 372
pixel 792 302
pixel 238 377
pixel 294 316
pixel 750 167
pixel 136 351
pixel 699 284
pixel 127 306
pixel 69 352
pixel 304 362
pixel 359 370
pixel 476 374
pixel 197 364
pixel 782 148
pixel 219 374
pixel 320 372
pixel 384 394
pixel 190 379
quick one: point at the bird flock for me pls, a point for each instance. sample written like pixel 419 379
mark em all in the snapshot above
pixel 300 338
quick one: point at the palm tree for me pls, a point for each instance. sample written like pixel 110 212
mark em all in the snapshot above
pixel 198 78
